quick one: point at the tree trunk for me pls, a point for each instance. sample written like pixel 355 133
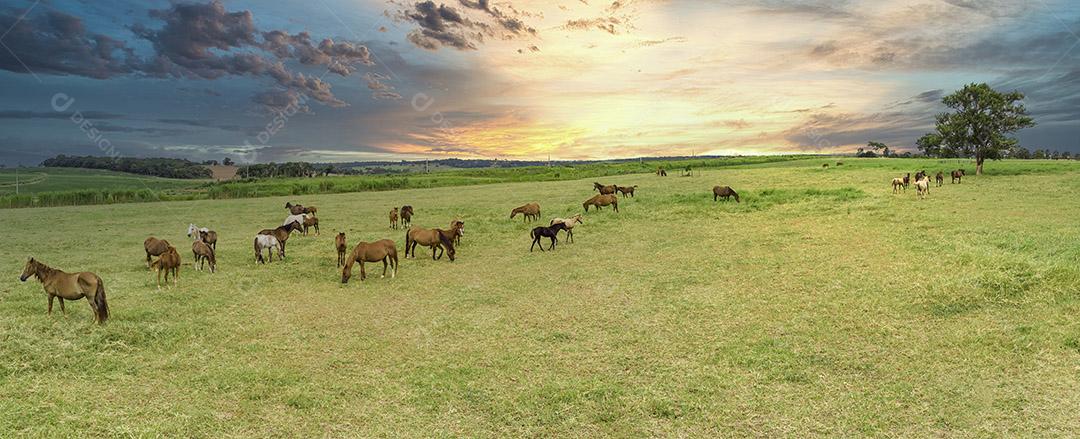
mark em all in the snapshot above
pixel 979 165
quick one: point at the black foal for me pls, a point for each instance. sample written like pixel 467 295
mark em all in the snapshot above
pixel 550 232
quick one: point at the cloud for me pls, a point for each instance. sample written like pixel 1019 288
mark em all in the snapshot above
pixel 55 43
pixel 20 114
pixel 462 29
pixel 380 89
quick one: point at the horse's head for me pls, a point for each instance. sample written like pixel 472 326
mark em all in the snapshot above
pixel 190 229
pixel 29 270
pixel 577 218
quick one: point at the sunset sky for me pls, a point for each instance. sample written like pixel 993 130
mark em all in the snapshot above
pixel 343 80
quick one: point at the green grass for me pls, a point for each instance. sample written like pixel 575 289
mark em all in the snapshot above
pixel 822 305
pixel 38 180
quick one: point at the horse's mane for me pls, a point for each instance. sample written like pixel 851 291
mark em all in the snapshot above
pixel 41 271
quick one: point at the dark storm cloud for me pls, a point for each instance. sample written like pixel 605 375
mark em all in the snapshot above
pixel 54 43
pixel 464 28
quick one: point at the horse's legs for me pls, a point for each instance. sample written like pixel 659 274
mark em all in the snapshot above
pixel 553 240
pixel 50 303
pixel 384 266
pixel 62 310
pixel 535 239
pixel 363 273
pixel 570 234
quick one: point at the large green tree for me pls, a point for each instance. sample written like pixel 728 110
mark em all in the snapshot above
pixel 979 124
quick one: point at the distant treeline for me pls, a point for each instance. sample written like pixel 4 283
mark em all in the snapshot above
pixel 157 167
pixel 496 163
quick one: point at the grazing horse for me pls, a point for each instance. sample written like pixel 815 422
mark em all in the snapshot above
pixel 154 247
pixel 167 262
pixel 601 200
pixel 294 209
pixel 939 178
pixel 282 234
pixel 393 218
pixel 839 163
pixel 340 245
pixel 897 183
pixel 406 216
pixel 309 222
pixel 624 190
pixel 660 172
pixel 70 286
pixel 203 254
pixel 725 192
pixel 266 242
pixel 382 250
pixel 529 212
pixel 458 227
pixel 922 187
pixel 604 190
pixel 825 165
pixel 568 224
pixel 551 231
pixel 957 175
pixel 209 237
pixel 907 180
pixel 434 238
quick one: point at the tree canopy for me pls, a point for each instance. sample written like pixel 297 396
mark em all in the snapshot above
pixel 979 125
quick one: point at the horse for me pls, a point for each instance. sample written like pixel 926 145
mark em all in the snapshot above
pixel 193 231
pixel 209 237
pixel 167 262
pixel 458 227
pixel 626 190
pixel 310 210
pixel 393 218
pixel 203 254
pixel 825 165
pixel 660 172
pixel 919 175
pixel 551 231
pixel 406 216
pixel 839 163
pixel 340 245
pixel 725 192
pixel 294 209
pixel 154 247
pixel 529 211
pixel 939 178
pixel 907 180
pixel 568 224
pixel 434 238
pixel 604 190
pixel 601 200
pixel 282 234
pixel 897 183
pixel 295 218
pixel 70 286
pixel 309 222
pixel 957 175
pixel 382 250
pixel 266 242
pixel 922 187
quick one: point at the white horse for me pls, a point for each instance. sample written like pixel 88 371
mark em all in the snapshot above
pixel 193 231
pixel 298 218
pixel 569 223
pixel 263 242
pixel 922 187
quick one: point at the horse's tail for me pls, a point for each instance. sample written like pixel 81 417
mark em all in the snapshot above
pixel 100 304
pixel 408 241
pixel 393 259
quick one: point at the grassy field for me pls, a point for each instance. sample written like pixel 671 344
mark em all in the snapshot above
pixel 821 305
pixel 38 180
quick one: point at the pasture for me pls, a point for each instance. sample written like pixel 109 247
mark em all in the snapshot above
pixel 38 180
pixel 822 304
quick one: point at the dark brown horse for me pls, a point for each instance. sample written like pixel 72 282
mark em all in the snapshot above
pixel 167 262
pixel 382 250
pixel 282 234
pixel 209 237
pixel 154 247
pixel 907 180
pixel 725 192
pixel 600 201
pixel 203 255
pixel 294 209
pixel 660 172
pixel 437 239
pixel 551 231
pixel 406 216
pixel 458 227
pixel 604 190
pixel 70 286
pixel 940 178
pixel 957 175
pixel 529 212
pixel 624 190
pixel 341 246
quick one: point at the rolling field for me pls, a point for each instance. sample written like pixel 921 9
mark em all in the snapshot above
pixel 37 180
pixel 822 304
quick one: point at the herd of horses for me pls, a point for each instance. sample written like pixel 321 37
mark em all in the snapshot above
pixel 302 219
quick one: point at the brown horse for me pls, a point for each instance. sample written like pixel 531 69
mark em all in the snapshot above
pixel 154 247
pixel 939 178
pixel 203 255
pixel 529 211
pixel 825 165
pixel 282 234
pixel 604 190
pixel 624 190
pixel 957 175
pixel 70 286
pixel 600 201
pixel 907 180
pixel 406 216
pixel 660 172
pixel 393 218
pixel 434 238
pixel 310 222
pixel 310 210
pixel 209 237
pixel 839 163
pixel 725 192
pixel 340 245
pixel 458 227
pixel 382 250
pixel 294 209
pixel 167 262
